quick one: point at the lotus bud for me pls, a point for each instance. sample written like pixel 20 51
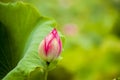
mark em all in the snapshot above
pixel 50 47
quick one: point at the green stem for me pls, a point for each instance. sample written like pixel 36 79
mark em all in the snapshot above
pixel 46 70
pixel 46 74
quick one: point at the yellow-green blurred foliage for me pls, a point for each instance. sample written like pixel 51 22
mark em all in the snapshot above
pixel 92 30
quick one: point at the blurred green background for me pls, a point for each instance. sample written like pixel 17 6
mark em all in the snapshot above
pixel 92 31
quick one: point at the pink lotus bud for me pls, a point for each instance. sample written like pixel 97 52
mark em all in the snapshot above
pixel 50 47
